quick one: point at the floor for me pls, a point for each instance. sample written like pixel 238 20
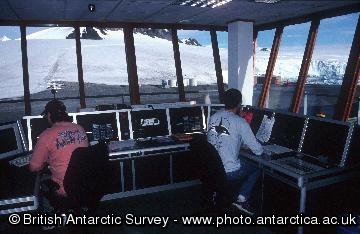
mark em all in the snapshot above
pixel 174 203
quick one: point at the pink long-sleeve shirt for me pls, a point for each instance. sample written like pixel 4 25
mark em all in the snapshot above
pixel 55 147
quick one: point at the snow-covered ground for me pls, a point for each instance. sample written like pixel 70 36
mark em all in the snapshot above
pixel 52 57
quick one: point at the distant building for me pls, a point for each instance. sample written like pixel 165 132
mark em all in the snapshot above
pixel 276 80
pixel 173 83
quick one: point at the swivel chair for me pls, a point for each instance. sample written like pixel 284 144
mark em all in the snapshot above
pixel 85 180
pixel 218 193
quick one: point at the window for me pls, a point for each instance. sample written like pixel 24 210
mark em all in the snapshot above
pixel 155 65
pixel 223 50
pixel 104 66
pixel 328 64
pixel 287 67
pixel 263 48
pixel 52 67
pixel 198 66
pixel 11 76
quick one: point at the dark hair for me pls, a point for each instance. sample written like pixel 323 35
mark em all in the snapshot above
pixel 57 109
pixel 232 98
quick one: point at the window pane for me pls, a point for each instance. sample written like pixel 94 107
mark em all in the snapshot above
pixel 287 67
pixel 198 66
pixel 104 66
pixel 52 65
pixel 263 48
pixel 328 64
pixel 155 64
pixel 223 50
pixel 11 76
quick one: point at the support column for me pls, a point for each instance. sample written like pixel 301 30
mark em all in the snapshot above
pixel 179 76
pixel 80 68
pixel 131 65
pixel 25 65
pixel 270 68
pixel 254 54
pixel 217 61
pixel 300 87
pixel 240 52
pixel 351 76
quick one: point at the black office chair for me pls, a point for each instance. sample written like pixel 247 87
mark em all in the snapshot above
pixel 217 192
pixel 85 180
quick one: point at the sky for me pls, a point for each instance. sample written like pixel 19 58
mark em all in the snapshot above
pixel 332 31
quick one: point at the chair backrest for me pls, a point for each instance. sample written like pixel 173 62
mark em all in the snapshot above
pixel 211 168
pixel 86 177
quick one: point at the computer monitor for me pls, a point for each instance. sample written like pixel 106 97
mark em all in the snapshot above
pixel 99 126
pixel 37 126
pixel 214 109
pixel 257 117
pixel 11 140
pixel 287 130
pixel 124 125
pixel 326 139
pixel 149 123
pixel 186 120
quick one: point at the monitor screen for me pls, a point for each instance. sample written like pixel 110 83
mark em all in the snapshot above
pixel 124 125
pixel 10 140
pixel 287 130
pixel 326 139
pixel 257 117
pixel 37 125
pixel 186 120
pixel 149 123
pixel 101 126
pixel 214 109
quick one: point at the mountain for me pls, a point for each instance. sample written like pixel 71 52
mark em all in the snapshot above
pixel 159 33
pixel 326 67
pixel 88 33
pixel 265 49
pixel 191 41
pixel 5 38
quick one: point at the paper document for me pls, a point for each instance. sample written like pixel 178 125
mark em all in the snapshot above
pixel 264 132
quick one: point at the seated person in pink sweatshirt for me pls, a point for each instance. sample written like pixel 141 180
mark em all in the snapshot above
pixel 57 143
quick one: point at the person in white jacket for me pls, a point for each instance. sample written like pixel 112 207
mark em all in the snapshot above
pixel 227 133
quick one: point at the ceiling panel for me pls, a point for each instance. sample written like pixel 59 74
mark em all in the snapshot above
pixel 36 4
pixel 177 14
pixel 78 10
pixel 263 13
pixel 162 11
pixel 41 14
pixel 136 10
pixel 7 13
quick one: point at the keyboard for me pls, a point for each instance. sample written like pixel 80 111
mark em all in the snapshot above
pixel 298 165
pixel 121 145
pixel 155 142
pixel 21 161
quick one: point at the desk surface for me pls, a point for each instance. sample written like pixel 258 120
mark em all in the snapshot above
pixel 299 179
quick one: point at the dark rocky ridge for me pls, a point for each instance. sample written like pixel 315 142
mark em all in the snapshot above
pixel 191 41
pixel 87 33
pixel 92 34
